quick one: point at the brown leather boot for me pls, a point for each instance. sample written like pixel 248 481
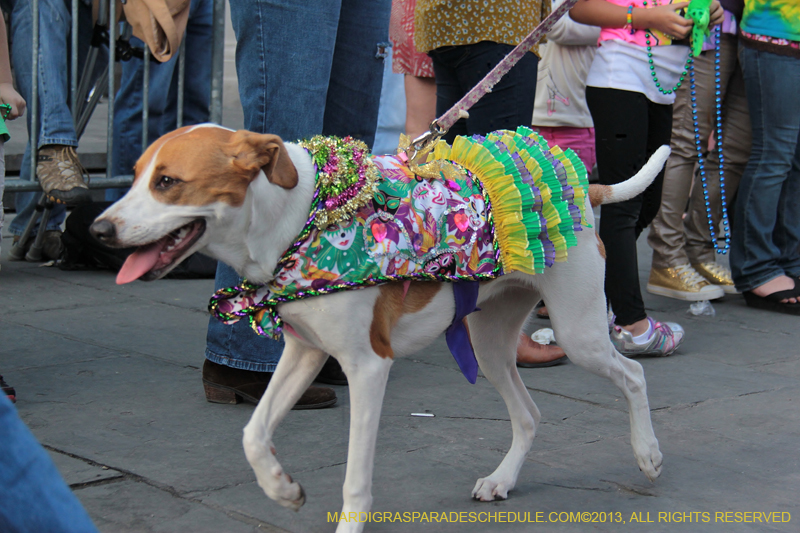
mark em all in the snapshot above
pixel 531 354
pixel 225 384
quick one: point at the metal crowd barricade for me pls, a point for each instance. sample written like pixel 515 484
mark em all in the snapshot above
pixel 84 97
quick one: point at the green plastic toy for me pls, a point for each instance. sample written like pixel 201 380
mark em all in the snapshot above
pixel 700 12
pixel 5 109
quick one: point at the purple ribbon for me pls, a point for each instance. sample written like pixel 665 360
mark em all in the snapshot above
pixel 457 336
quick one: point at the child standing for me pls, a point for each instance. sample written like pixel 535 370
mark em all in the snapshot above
pixel 684 264
pixel 560 112
pixel 630 90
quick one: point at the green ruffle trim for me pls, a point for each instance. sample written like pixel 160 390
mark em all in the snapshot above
pixel 526 218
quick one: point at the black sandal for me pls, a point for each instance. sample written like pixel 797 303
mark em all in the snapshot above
pixel 772 302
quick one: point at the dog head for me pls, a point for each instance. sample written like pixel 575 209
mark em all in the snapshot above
pixel 189 188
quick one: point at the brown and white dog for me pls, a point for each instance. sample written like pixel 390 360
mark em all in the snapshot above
pixel 243 197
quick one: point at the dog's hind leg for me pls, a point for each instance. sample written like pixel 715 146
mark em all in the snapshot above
pixel 494 332
pixel 298 366
pixel 577 306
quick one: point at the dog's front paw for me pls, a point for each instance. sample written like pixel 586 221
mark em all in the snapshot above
pixel 488 490
pixel 279 486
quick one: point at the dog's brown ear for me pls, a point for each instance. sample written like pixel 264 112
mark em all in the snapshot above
pixel 253 152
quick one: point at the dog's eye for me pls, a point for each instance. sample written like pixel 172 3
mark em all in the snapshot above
pixel 165 182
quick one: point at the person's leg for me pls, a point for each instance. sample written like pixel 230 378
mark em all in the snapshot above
pixel 509 105
pixel 356 73
pixel 128 112
pixel 736 141
pixel 34 496
pixel 448 86
pixel 671 274
pixel 624 142
pixel 283 84
pixel 286 94
pixel 787 230
pixel 392 110
pixel 58 169
pixel 659 130
pixel 21 28
pixel 56 126
pixel 197 73
pixel 282 93
pixel 420 104
pixel 765 224
pixel 284 52
pixel 666 236
pixel 621 143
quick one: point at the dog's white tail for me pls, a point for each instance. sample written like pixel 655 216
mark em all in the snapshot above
pixel 609 194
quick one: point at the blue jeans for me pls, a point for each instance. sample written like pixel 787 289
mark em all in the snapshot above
pixel 510 104
pixel 33 495
pixel 305 68
pixel 163 97
pixel 55 119
pixel 766 231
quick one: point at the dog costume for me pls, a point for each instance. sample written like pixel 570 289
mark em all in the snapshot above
pixel 504 202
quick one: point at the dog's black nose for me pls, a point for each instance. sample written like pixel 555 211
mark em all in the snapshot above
pixel 103 230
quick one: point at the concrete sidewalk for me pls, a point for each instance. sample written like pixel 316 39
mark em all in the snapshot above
pixel 108 379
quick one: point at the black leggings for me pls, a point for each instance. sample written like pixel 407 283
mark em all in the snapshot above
pixel 628 129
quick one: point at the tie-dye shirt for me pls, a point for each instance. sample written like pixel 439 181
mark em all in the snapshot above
pixel 772 18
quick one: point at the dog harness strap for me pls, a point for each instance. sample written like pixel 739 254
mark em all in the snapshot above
pixel 457 336
pixel 446 121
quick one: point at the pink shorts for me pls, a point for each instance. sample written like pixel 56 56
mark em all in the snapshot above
pixel 581 140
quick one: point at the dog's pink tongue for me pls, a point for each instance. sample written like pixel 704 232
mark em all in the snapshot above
pixel 139 263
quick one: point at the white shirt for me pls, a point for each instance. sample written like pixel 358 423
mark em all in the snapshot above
pixel 624 66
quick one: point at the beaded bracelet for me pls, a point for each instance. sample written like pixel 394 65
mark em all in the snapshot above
pixel 629 20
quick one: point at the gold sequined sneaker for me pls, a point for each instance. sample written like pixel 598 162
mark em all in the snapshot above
pixel 717 274
pixel 682 283
pixel 61 175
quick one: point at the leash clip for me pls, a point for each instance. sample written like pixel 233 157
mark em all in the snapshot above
pixel 420 146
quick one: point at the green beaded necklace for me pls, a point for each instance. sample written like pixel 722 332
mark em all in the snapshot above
pixel 653 67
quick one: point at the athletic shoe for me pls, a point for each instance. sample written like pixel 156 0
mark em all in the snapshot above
pixel 718 275
pixel 682 283
pixel 665 337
